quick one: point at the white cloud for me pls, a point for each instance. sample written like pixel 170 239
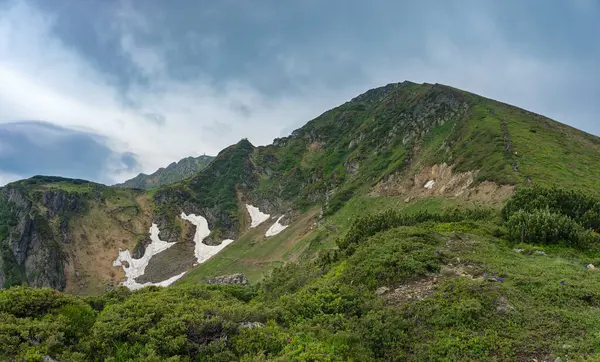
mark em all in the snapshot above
pixel 42 79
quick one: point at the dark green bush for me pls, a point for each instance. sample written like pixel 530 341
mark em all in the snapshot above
pixel 546 227
pixel 393 257
pixel 582 207
pixel 369 225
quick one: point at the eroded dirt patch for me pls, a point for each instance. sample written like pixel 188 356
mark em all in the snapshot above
pixel 441 180
pixel 96 240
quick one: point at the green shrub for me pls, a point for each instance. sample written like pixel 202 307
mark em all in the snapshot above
pixel 338 201
pixel 369 225
pixel 577 205
pixel 545 227
pixel 393 257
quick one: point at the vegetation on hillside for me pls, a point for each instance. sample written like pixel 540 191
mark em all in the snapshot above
pixel 554 215
pixel 428 287
pixel 175 172
pixel 212 193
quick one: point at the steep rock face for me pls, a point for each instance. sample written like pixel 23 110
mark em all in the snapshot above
pixel 31 251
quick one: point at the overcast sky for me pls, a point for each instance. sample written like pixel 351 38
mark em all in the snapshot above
pixel 103 89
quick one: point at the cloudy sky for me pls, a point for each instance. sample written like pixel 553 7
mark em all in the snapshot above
pixel 103 89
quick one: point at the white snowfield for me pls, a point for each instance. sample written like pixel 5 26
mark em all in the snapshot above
pixel 429 184
pixel 276 228
pixel 137 267
pixel 256 216
pixel 202 251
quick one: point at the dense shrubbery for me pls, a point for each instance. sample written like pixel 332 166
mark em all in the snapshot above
pixel 369 225
pixel 553 215
pixel 581 207
pixel 546 227
pixel 393 257
pixel 308 312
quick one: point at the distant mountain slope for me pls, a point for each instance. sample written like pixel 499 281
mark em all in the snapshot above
pixel 175 172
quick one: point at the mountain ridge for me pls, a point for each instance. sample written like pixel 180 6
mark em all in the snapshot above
pixel 175 172
pixel 413 222
pixel 379 143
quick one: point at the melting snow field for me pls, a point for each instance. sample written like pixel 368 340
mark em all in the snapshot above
pixel 202 251
pixel 429 184
pixel 256 216
pixel 276 228
pixel 137 267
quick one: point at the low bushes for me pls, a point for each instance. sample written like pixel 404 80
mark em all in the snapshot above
pixel 547 227
pixel 369 225
pixel 553 216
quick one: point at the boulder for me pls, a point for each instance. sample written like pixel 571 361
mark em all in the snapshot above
pixel 239 279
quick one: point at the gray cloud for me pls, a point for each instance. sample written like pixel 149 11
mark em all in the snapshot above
pixel 151 78
pixel 33 148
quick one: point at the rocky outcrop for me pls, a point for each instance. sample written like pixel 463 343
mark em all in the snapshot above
pixel 239 279
pixel 59 202
pixel 32 251
pixel 251 325
pixel 140 247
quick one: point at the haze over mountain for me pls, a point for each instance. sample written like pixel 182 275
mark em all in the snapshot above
pixel 222 71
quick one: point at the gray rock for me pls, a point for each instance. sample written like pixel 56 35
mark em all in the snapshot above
pixel 239 279
pixel 382 290
pixel 48 359
pixel 539 252
pixel 140 248
pixel 35 248
pixel 503 306
pixel 251 325
pixel 558 359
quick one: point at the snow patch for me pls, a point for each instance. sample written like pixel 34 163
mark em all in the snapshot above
pixel 202 251
pixel 429 184
pixel 137 267
pixel 256 216
pixel 276 228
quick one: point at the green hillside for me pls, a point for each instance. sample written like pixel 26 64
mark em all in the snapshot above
pixel 426 286
pixel 339 158
pixel 171 174
pixel 424 223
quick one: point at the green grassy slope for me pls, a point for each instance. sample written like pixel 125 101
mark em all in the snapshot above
pixel 356 275
pixel 456 287
pixel 373 130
